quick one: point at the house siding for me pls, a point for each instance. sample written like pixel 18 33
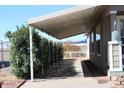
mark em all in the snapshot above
pixel 101 60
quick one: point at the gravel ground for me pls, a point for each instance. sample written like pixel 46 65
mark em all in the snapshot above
pixel 5 74
pixel 8 79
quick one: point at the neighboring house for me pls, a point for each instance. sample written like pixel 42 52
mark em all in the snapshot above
pixel 74 49
pixel 104 26
pixel 82 44
pixel 67 43
pixel 78 46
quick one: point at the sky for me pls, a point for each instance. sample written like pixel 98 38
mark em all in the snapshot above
pixel 11 16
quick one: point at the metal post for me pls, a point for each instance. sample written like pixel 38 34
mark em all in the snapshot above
pixel 31 56
pixel 53 54
pixel 70 55
pixel 57 51
pixel 49 50
pixel 88 50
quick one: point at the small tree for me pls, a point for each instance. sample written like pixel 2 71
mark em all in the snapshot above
pixel 44 52
pixel 20 51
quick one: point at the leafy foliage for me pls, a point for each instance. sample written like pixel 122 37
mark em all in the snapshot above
pixel 45 52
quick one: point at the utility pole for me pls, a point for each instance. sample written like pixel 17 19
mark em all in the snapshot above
pixel 1 50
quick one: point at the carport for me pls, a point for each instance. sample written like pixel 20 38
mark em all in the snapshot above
pixel 64 24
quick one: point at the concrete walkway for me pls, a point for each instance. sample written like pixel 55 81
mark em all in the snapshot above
pixel 75 80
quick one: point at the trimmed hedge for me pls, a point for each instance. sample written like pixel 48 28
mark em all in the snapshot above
pixel 45 52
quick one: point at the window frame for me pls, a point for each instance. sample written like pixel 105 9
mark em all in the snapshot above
pixel 98 28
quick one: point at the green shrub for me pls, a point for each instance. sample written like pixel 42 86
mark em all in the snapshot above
pixel 45 52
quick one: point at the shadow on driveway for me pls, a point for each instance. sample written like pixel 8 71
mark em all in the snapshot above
pixel 60 70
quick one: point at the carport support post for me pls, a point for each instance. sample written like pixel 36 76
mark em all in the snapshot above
pixel 31 56
pixel 88 49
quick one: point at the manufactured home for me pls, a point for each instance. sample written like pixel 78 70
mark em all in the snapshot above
pixel 103 25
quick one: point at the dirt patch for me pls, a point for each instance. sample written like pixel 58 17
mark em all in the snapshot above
pixel 8 79
pixel 7 75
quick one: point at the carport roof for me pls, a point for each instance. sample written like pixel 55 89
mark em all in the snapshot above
pixel 64 23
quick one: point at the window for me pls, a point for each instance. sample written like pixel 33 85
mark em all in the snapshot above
pixel 92 37
pixel 98 39
pixel 93 41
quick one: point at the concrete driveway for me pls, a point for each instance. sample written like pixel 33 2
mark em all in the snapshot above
pixel 71 74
